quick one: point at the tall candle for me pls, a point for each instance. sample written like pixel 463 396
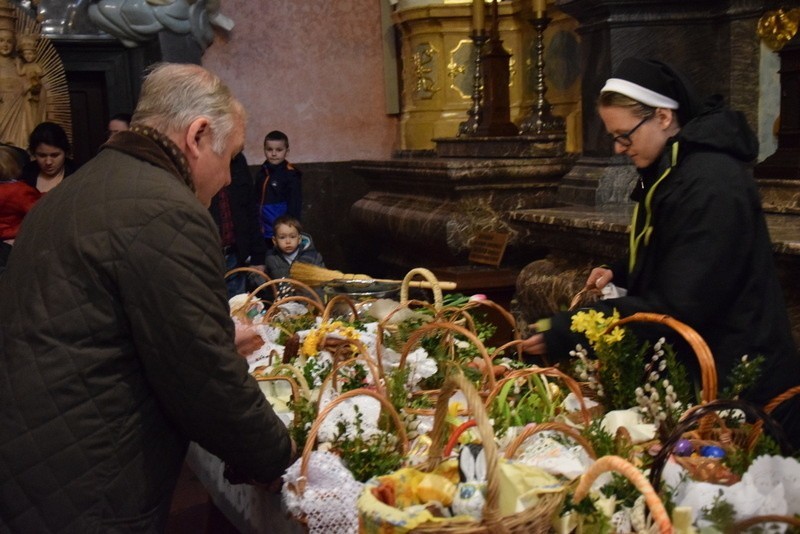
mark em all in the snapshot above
pixel 478 22
pixel 539 8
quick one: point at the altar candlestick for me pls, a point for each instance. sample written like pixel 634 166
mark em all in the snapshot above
pixel 539 8
pixel 478 20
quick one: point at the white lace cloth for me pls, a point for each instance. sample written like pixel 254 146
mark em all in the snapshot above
pixel 771 485
pixel 250 509
pixel 329 500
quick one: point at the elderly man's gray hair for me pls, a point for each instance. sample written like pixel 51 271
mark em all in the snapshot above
pixel 174 95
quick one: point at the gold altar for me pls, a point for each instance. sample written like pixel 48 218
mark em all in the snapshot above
pixel 438 67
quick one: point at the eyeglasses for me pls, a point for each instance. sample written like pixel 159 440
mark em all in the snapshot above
pixel 624 140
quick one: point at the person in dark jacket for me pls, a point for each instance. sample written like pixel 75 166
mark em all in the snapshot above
pixel 278 184
pixel 699 246
pixel 52 162
pixel 119 349
pixel 234 210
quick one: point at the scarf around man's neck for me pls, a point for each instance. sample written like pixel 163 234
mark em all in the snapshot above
pixel 152 146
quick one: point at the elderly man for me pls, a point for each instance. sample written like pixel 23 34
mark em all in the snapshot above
pixel 116 347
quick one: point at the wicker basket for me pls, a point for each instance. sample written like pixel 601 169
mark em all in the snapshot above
pixel 708 370
pixel 661 521
pixel 769 408
pixel 428 276
pixel 402 439
pixel 740 527
pixel 706 468
pixel 534 520
pixel 583 416
pixel 489 380
pixel 340 301
pixel 535 428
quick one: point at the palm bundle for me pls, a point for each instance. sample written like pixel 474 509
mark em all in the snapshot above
pixel 314 275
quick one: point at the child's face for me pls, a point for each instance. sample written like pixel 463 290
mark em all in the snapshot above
pixel 29 55
pixel 275 151
pixel 286 238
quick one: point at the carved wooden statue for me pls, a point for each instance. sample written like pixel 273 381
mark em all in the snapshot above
pixel 33 87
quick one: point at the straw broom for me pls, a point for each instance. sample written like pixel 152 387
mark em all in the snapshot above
pixel 314 275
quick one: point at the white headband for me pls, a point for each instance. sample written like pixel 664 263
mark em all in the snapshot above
pixel 639 93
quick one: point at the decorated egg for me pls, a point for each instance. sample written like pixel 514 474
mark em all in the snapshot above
pixel 683 447
pixel 712 451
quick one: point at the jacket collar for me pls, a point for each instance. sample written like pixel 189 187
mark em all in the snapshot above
pixel 152 146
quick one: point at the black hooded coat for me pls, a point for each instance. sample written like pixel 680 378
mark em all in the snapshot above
pixel 704 256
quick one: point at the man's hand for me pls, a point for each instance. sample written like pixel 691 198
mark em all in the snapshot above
pixel 247 340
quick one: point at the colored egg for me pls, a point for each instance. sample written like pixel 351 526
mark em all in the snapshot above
pixel 683 447
pixel 712 451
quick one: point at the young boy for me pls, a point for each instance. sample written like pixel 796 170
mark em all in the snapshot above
pixel 278 185
pixel 291 245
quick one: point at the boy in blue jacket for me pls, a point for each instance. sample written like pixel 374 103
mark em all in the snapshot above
pixel 278 185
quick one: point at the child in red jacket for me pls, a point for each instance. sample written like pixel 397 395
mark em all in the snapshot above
pixel 16 200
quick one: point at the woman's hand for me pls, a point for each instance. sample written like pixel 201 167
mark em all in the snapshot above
pixel 535 345
pixel 599 277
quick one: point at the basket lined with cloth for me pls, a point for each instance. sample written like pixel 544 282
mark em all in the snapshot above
pixel 378 516
pixel 320 490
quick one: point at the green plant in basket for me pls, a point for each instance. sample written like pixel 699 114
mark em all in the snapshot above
pixel 290 325
pixel 366 456
pixel 522 401
pixel 625 372
pixel 305 411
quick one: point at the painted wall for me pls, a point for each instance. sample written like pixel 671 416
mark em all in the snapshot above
pixel 311 68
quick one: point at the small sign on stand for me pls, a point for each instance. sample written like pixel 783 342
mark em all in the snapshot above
pixel 487 248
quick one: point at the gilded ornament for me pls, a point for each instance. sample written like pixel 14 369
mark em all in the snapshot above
pixel 776 28
pixel 422 61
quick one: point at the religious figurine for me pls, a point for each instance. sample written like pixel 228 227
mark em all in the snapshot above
pixel 27 67
pixel 14 117
pixel 26 86
pixel 137 21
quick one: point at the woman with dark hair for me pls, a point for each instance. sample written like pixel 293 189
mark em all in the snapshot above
pixel 16 200
pixel 50 148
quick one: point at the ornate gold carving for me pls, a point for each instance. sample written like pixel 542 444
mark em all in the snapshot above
pixel 776 28
pixel 424 71
pixel 461 68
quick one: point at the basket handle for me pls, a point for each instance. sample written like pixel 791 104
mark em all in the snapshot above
pixel 295 298
pixel 429 276
pixel 291 281
pixel 292 384
pixel 312 434
pixel 252 270
pixel 700 412
pixel 769 408
pixel 383 324
pixel 331 378
pixel 552 372
pixel 491 509
pixel 534 428
pixel 585 297
pixel 708 369
pixel 326 314
pixel 296 375
pixel 629 471
pixel 420 332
